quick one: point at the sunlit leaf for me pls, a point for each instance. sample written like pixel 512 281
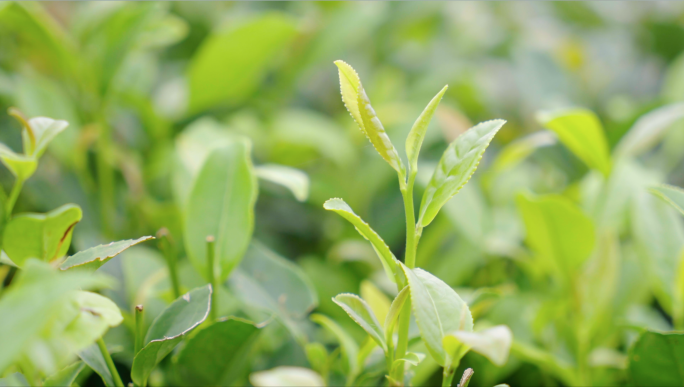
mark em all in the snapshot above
pixel 167 330
pixel 415 138
pixel 95 257
pixel 44 236
pixel 293 179
pixel 457 165
pixel 357 102
pixel 20 165
pixel 581 131
pixel 230 64
pixel 287 377
pixel 217 355
pixel 361 313
pixel 438 310
pixel 656 359
pixel 493 343
pixel 672 195
pixel 221 204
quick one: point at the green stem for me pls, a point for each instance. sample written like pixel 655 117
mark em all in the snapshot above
pixel 139 328
pixel 448 376
pixel 171 261
pixel 212 277
pixel 14 194
pixel 110 363
pixel 411 234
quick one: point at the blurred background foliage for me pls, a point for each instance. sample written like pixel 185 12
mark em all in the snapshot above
pixel 148 88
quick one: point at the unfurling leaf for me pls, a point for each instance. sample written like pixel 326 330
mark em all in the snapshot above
pixel 358 104
pixel 42 236
pixel 457 165
pixel 415 138
pixel 493 343
pixel 389 262
pixel 438 310
pixel 581 131
pixel 166 331
pixel 95 257
pixel 361 313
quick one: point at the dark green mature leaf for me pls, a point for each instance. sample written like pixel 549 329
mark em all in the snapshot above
pixel 230 65
pixel 657 359
pixel 92 356
pixel 216 356
pixel 358 104
pixel 21 166
pixel 361 313
pixel 558 231
pixel 65 377
pixel 415 138
pixel 221 204
pixel 438 310
pixel 457 165
pixel 581 131
pixel 389 262
pixel 674 196
pixel 43 236
pixel 270 282
pixel 350 350
pixel 35 294
pixel 179 318
pixel 95 257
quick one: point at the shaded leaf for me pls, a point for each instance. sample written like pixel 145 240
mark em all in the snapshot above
pixel 65 377
pixel 221 204
pixel 44 236
pixel 216 356
pixel 350 349
pixel 95 257
pixel 361 313
pixel 438 310
pixel 581 131
pixel 656 359
pixel 493 343
pixel 94 359
pixel 414 141
pixel 293 179
pixel 179 318
pixel 457 165
pixel 389 262
pixel 287 377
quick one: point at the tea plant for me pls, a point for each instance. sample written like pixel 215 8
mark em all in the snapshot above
pixel 443 318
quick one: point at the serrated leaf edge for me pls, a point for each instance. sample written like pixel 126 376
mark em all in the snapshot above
pixel 102 259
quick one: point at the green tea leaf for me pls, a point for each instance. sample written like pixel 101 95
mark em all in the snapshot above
pixel 581 131
pixel 43 236
pixel 558 231
pixel 86 317
pixel 287 376
pixel 45 130
pixel 167 330
pixel 358 104
pixel 361 313
pixel 216 356
pixel 65 377
pixel 230 65
pixel 410 359
pixel 457 165
pixel 656 359
pixel 649 129
pixel 21 166
pixel 350 350
pixel 221 204
pixel 493 343
pixel 94 359
pixel 389 262
pixel 414 141
pixel 394 311
pixel 29 304
pixel 376 299
pixel 95 257
pixel 438 310
pixel 293 179
pixel 672 195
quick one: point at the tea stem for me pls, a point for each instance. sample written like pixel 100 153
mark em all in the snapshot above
pixel 110 363
pixel 171 260
pixel 212 277
pixel 14 194
pixel 139 328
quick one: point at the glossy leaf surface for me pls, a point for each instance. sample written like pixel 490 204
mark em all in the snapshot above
pixel 457 165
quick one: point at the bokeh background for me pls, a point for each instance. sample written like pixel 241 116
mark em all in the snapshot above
pixel 132 77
